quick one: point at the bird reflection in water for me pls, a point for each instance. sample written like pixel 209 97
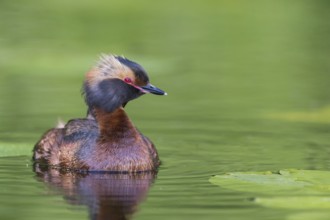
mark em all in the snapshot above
pixel 107 195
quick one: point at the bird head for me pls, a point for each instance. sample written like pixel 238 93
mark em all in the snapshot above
pixel 114 81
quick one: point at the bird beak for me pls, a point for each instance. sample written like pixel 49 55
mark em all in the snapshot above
pixel 153 89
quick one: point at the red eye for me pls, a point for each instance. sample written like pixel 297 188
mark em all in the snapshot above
pixel 128 80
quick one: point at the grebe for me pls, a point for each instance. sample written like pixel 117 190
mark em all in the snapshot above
pixel 106 140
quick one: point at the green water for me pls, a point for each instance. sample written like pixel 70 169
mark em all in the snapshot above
pixel 248 85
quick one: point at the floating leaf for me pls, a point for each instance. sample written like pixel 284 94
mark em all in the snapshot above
pixel 296 202
pixel 10 149
pixel 321 115
pixel 292 189
pixel 311 215
pixel 282 182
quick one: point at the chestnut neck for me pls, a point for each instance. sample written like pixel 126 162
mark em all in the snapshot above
pixel 114 125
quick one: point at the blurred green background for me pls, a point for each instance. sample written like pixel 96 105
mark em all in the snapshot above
pixel 215 58
pixel 248 81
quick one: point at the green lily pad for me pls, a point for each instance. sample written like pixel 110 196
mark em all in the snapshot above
pixel 11 149
pixel 314 215
pixel 284 182
pixel 321 115
pixel 291 189
pixel 295 202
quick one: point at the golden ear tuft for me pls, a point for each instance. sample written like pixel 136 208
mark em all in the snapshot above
pixel 109 65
